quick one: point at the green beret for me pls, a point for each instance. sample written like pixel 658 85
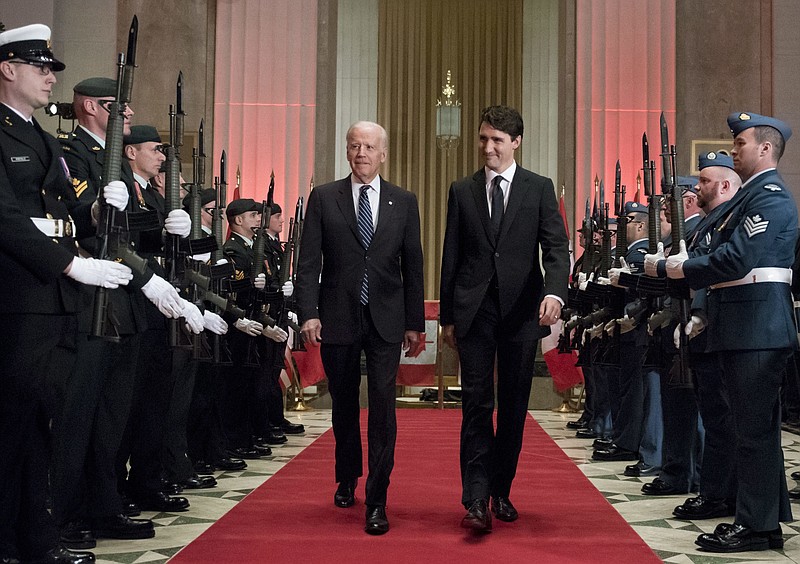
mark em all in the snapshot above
pixel 240 206
pixel 142 134
pixel 97 87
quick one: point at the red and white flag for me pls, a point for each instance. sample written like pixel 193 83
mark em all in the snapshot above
pixel 421 369
pixel 561 365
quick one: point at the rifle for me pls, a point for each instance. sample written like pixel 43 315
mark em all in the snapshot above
pixel 680 374
pixel 260 309
pixel 113 227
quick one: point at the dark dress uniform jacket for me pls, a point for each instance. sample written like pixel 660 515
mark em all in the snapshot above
pixel 34 183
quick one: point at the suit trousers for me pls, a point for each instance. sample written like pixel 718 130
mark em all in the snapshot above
pixel 753 380
pixel 342 365
pixel 32 348
pixel 489 458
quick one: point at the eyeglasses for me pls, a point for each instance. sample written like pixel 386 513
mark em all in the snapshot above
pixel 209 211
pixel 44 68
pixel 106 104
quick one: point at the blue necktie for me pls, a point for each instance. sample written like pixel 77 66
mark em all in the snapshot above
pixel 365 231
pixel 497 205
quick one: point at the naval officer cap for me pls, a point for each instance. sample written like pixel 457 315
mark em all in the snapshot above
pixel 634 207
pixel 738 122
pixel 240 206
pixel 30 43
pixel 687 184
pixel 97 87
pixel 713 158
pixel 142 134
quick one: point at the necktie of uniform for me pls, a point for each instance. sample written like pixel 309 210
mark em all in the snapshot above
pixel 497 204
pixel 365 231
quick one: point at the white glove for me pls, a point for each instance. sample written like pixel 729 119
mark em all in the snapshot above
pixel 275 333
pixel 651 261
pixel 116 194
pixel 603 281
pixel 222 261
pixel 193 317
pixel 178 223
pixel 164 296
pixel 675 262
pixel 694 327
pixel 202 257
pixel 94 272
pixel 249 327
pixel 287 289
pixel 610 327
pixel 214 323
pixel 596 331
pixel 613 273
pixel 292 316
pixel 260 281
pixel 581 279
pixel 582 285
pixel 626 324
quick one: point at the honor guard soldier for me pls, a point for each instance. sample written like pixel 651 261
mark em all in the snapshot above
pixel 39 215
pixel 744 280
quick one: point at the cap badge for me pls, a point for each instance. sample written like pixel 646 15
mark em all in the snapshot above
pixel 744 117
pixel 711 156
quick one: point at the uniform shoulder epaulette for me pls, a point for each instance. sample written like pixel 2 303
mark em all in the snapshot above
pixel 772 187
pixel 642 250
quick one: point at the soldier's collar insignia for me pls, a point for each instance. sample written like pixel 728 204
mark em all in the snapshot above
pixel 96 148
pixel 772 187
pixel 7 121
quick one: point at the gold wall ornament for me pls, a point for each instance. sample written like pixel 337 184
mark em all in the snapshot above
pixel 448 117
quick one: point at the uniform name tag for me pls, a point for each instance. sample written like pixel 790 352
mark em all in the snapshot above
pixel 24 159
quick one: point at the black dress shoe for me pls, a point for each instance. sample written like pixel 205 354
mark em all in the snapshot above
pixel 738 538
pixel 794 493
pixel 615 453
pixel 641 469
pixel 123 527
pixel 579 423
pixel 61 555
pixel 503 510
pixel 290 428
pixel 77 534
pixel 198 482
pixel 9 560
pixel 586 433
pixel 795 475
pixel 602 444
pixel 246 453
pixel 130 508
pixel 230 464
pixel 171 488
pixel 377 523
pixel 203 467
pixel 345 495
pixel 703 508
pixel 274 437
pixel 660 487
pixel 478 518
pixel 161 502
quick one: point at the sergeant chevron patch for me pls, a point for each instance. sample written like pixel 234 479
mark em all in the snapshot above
pixel 772 187
pixel 79 186
pixel 755 225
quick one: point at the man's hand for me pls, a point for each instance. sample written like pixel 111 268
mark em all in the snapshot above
pixel 249 327
pixel 178 223
pixel 449 336
pixel 613 273
pixel 116 194
pixel 164 296
pixel 675 262
pixel 610 327
pixel 95 272
pixel 626 324
pixel 549 311
pixel 651 261
pixel 312 331
pixel 411 342
pixel 214 323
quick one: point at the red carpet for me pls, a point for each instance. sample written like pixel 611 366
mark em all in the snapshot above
pixel 291 517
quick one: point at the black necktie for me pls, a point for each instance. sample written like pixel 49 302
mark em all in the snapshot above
pixel 497 204
pixel 365 230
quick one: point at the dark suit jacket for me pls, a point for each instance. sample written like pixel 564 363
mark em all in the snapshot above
pixel 471 257
pixel 34 183
pixel 331 247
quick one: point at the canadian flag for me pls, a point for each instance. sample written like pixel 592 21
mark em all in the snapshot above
pixel 421 369
pixel 561 365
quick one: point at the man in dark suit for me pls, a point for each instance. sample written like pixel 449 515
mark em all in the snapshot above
pixel 41 294
pixel 496 303
pixel 361 234
pixel 744 285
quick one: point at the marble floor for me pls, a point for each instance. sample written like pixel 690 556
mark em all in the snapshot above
pixel 671 539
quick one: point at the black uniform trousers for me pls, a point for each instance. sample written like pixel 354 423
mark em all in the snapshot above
pixel 342 365
pixel 682 450
pixel 89 427
pixel 174 449
pixel 488 457
pixel 628 381
pixel 205 437
pixel 717 471
pixel 34 349
pixel 753 387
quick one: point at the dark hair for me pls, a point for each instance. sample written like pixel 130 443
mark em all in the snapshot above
pixel 504 118
pixel 766 133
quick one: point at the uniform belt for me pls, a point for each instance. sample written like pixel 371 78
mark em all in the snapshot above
pixel 758 275
pixel 54 227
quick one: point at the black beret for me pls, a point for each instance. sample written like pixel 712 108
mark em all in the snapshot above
pixel 207 195
pixel 96 87
pixel 142 134
pixel 276 209
pixel 240 206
